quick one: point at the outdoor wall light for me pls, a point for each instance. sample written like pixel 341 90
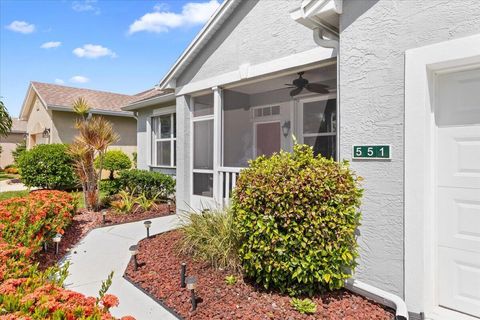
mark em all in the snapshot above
pixel 46 133
pixel 133 251
pixel 286 128
pixel 192 285
pixel 183 273
pixel 25 135
pixel 57 239
pixel 104 215
pixel 147 225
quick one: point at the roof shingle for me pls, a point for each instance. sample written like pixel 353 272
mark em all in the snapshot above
pixel 63 96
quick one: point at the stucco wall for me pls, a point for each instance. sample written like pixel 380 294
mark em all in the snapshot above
pixel 184 174
pixel 126 127
pixel 258 31
pixel 40 118
pixel 8 144
pixel 374 37
pixel 143 145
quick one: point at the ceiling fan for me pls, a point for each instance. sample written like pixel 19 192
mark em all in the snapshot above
pixel 301 83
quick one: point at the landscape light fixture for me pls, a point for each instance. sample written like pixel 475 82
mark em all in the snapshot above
pixel 104 215
pixel 46 133
pixel 183 273
pixel 57 239
pixel 192 285
pixel 286 128
pixel 147 225
pixel 45 246
pixel 133 251
pixel 169 203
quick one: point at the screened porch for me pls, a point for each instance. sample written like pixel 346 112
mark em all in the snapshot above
pixel 235 124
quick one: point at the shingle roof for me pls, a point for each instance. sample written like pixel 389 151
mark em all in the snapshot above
pixel 63 96
pixel 18 126
pixel 148 94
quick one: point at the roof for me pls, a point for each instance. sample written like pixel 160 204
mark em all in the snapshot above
pixel 202 38
pixel 18 126
pixel 54 95
pixel 149 98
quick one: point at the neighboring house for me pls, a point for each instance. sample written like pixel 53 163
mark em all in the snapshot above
pixel 404 74
pixel 48 111
pixel 9 143
pixel 156 130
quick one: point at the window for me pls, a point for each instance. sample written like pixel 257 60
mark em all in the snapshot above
pixel 203 145
pixel 320 126
pixel 164 140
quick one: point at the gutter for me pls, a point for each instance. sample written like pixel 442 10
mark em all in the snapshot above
pixel 169 97
pixel 94 111
pixel 380 296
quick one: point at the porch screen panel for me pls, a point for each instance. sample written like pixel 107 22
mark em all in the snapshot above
pixel 202 112
pixel 320 126
pixel 237 129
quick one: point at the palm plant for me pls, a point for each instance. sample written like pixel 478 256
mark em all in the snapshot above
pixel 5 120
pixel 95 135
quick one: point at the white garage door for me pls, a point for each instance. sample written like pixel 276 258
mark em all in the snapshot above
pixel 457 115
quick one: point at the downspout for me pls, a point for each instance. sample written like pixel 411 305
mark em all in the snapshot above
pixel 328 39
pixel 380 296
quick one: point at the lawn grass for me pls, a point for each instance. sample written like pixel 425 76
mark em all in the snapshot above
pixel 5 176
pixel 12 194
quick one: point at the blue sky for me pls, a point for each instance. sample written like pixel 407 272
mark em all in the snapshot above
pixel 119 46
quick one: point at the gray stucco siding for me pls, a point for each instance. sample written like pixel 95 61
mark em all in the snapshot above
pixel 257 32
pixel 143 139
pixel 374 38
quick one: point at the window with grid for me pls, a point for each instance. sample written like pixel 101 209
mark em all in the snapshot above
pixel 164 140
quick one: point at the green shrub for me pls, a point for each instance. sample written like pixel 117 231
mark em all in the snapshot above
pixel 230 280
pixel 19 149
pixel 304 306
pixel 297 215
pixel 211 236
pixel 110 187
pixel 151 184
pixel 47 166
pixel 114 160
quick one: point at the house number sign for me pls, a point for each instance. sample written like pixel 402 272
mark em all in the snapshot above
pixel 381 152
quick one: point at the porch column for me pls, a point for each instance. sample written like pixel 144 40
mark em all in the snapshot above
pixel 217 144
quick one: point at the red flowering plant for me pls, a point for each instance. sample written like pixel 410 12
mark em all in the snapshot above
pixel 25 291
pixel 31 220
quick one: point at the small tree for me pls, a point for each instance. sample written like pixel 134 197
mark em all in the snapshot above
pixel 95 136
pixel 5 120
pixel 19 149
pixel 114 160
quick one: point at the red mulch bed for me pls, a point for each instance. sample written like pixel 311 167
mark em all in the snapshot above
pixel 159 275
pixel 85 220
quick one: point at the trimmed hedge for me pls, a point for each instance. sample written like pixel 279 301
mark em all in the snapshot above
pixel 47 166
pixel 137 182
pixel 297 215
pixel 114 160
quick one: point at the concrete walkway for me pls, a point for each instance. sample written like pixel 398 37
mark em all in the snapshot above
pixel 5 186
pixel 106 249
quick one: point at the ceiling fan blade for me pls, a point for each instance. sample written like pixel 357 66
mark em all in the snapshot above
pixel 317 87
pixel 296 91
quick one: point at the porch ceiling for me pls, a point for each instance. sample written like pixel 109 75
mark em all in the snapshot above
pixel 326 75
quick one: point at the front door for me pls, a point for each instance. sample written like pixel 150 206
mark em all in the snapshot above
pixel 457 117
pixel 268 139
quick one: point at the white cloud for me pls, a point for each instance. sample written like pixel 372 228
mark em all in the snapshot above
pixel 21 26
pixel 51 44
pixel 162 21
pixel 86 5
pixel 79 79
pixel 93 51
pixel 59 81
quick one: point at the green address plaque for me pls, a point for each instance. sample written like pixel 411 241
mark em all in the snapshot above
pixel 377 151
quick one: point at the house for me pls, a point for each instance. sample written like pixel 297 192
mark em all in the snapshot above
pixel 10 142
pixel 393 87
pixel 156 134
pixel 49 115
